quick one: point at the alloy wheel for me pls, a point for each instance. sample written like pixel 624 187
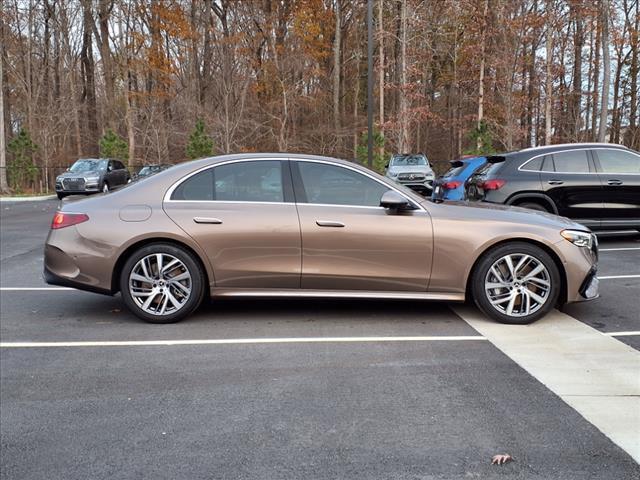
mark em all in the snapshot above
pixel 160 284
pixel 517 285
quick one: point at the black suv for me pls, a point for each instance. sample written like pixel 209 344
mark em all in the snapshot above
pixel 596 184
pixel 92 175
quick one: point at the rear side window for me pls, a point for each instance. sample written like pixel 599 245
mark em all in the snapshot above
pixel 454 172
pixel 259 181
pixel 618 161
pixel 534 165
pixel 574 161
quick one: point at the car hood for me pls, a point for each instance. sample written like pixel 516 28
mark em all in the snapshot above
pixel 411 168
pixel 517 215
pixel 92 173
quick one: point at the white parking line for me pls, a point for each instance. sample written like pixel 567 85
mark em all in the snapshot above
pixel 34 289
pixel 593 373
pixel 617 249
pixel 621 334
pixel 236 341
pixel 612 277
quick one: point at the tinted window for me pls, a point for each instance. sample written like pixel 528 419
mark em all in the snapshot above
pixel 241 182
pixel 618 161
pixel 454 172
pixel 574 161
pixel 249 182
pixel 547 164
pixel 118 165
pixel 534 165
pixel 197 187
pixel 334 185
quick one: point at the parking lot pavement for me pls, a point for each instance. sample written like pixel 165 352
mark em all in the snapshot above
pixel 438 405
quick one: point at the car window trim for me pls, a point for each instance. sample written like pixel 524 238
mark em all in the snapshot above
pixel 167 196
pixel 596 161
pixel 587 150
pixel 415 204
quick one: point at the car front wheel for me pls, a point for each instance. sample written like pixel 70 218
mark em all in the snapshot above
pixel 162 283
pixel 516 283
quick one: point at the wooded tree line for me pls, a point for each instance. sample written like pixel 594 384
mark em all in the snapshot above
pixel 452 76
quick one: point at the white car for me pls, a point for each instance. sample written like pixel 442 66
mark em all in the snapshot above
pixel 411 170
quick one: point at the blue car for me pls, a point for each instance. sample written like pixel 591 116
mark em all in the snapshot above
pixel 450 186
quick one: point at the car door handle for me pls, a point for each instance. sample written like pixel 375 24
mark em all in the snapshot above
pixel 329 223
pixel 213 221
pixel 555 182
pixel 614 182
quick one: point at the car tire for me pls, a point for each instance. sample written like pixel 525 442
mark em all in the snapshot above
pixel 168 303
pixel 61 196
pixel 532 299
pixel 534 206
pixel 105 187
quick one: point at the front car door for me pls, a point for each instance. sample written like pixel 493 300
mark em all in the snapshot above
pixel 619 172
pixel 242 214
pixel 349 242
pixel 569 178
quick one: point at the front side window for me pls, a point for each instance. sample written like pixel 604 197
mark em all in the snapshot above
pixel 334 185
pixel 618 161
pixel 574 161
pixel 257 181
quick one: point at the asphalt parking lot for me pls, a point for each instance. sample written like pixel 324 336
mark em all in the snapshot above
pixel 310 388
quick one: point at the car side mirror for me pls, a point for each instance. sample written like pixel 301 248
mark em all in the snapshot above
pixel 394 201
pixel 386 166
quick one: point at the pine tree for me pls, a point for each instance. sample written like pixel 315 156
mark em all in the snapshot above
pixel 379 160
pixel 113 145
pixel 200 144
pixel 21 169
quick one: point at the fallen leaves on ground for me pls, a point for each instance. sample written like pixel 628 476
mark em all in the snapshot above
pixel 501 459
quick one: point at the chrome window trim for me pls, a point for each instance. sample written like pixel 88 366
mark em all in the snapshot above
pixel 169 192
pixel 520 168
pixel 411 201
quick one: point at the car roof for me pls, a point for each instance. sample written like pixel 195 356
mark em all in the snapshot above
pixel 570 146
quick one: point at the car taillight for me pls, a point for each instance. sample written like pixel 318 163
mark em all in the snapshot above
pixel 492 184
pixel 451 185
pixel 62 219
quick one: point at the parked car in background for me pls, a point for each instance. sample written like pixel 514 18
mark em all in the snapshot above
pixel 595 184
pixel 289 225
pixel 450 186
pixel 411 170
pixel 92 175
pixel 149 170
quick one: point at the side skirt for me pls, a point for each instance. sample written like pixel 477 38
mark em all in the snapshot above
pixel 257 292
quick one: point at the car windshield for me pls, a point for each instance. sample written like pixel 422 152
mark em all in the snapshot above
pixel 454 172
pixel 88 165
pixel 409 160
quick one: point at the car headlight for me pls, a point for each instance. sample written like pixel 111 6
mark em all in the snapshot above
pixel 393 174
pixel 92 179
pixel 578 238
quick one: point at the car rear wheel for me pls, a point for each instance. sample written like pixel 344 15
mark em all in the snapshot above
pixel 105 187
pixel 516 283
pixel 534 206
pixel 162 283
pixel 61 196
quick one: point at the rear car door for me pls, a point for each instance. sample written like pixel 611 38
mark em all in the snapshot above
pixel 242 214
pixel 121 172
pixel 619 172
pixel 569 178
pixel 351 243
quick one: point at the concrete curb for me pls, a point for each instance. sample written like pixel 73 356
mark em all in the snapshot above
pixel 27 199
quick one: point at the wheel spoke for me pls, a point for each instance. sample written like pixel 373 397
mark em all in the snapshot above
pixel 535 296
pixel 180 286
pixel 170 265
pixel 509 263
pixel 141 278
pixel 159 258
pixel 511 304
pixel 533 272
pixel 523 261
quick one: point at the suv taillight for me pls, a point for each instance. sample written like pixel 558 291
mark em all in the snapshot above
pixel 494 184
pixel 451 185
pixel 61 219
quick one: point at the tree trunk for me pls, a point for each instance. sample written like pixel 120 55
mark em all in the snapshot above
pixel 88 81
pixel 4 186
pixel 576 91
pixel 548 100
pixel 632 139
pixel 336 66
pixel 606 65
pixel 403 111
pixel 381 66
pixel 596 83
pixel 104 12
pixel 481 75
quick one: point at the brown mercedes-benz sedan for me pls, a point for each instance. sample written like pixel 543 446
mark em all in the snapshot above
pixel 298 225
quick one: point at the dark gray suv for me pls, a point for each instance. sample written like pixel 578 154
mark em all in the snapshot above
pixel 92 175
pixel 595 184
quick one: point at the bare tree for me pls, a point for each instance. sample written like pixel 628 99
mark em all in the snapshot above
pixel 606 66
